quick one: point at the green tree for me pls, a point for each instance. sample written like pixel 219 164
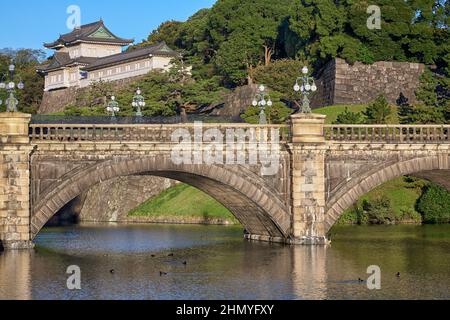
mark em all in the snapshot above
pixel 434 94
pixel 422 114
pixel 434 89
pixel 280 76
pixel 378 111
pixel 228 39
pixel 244 34
pixel 349 117
pixel 321 27
pixel 235 36
pixel 404 109
pixel 415 30
pixel 167 32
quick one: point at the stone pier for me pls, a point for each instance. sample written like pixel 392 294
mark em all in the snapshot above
pixel 308 179
pixel 15 149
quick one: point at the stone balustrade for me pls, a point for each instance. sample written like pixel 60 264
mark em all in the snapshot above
pixel 388 133
pixel 147 132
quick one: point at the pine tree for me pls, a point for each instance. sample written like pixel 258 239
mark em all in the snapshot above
pixel 405 110
pixel 378 111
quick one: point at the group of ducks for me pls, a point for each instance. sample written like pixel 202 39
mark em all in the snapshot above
pixel 161 273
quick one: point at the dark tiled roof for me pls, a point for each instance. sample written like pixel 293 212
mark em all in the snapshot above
pixel 62 59
pixel 160 49
pixel 84 33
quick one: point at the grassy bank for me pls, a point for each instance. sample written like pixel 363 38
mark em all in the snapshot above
pixel 402 194
pixel 183 202
pixel 332 112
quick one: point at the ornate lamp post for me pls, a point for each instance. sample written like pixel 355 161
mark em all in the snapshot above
pixel 138 102
pixel 262 99
pixel 306 85
pixel 11 102
pixel 113 107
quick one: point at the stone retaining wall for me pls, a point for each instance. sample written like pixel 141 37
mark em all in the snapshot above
pixel 341 83
pixel 112 200
pixel 57 100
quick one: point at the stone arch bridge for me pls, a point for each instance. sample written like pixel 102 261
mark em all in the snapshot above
pixel 321 170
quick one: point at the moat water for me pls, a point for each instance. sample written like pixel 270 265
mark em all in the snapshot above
pixel 221 265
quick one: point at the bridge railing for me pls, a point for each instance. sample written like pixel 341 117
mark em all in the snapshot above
pixel 145 132
pixel 388 133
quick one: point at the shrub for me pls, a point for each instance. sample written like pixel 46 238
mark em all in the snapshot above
pixel 348 217
pixel 434 205
pixel 409 215
pixel 379 211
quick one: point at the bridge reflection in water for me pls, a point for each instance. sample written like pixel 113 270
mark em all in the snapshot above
pixel 15 275
pixel 309 271
pixel 220 265
pixel 240 270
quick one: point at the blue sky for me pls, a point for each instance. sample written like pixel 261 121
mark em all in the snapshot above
pixel 30 23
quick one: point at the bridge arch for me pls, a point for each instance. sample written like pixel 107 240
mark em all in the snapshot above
pixel 244 193
pixel 365 181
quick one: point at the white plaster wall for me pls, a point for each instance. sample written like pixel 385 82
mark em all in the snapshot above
pixel 57 79
pixel 128 70
pixel 99 50
pixel 113 73
pixel 161 63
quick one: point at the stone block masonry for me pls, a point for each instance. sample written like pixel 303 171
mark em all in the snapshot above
pixel 308 180
pixel 342 83
pixel 15 152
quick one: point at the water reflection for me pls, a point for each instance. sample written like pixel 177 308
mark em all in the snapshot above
pixel 220 265
pixel 15 275
pixel 309 272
